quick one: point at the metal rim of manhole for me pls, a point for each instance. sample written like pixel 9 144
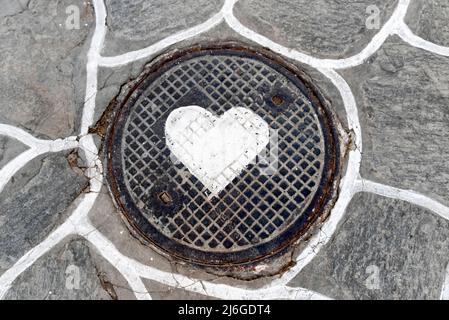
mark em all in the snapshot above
pixel 268 203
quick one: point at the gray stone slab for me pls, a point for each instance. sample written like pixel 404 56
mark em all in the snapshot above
pixel 403 97
pixel 160 291
pixel 429 20
pixel 111 279
pixel 106 218
pixel 134 24
pixel 323 28
pixel 383 249
pixel 110 80
pixel 34 203
pixel 66 272
pixel 9 149
pixel 12 7
pixel 42 65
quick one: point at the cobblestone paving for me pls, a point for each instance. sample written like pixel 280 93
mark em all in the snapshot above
pixel 387 236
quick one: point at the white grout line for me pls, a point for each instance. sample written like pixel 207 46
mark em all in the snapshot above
pixel 410 196
pixel 132 56
pixel 352 113
pixel 347 187
pixel 120 262
pixel 374 45
pixel 408 36
pixel 95 170
pixel 129 266
pixel 13 166
pixel 64 230
pixel 93 56
pixel 445 288
pixel 18 134
pixel 376 42
pixel 133 270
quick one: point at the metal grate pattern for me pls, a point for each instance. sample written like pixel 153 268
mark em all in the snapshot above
pixel 256 207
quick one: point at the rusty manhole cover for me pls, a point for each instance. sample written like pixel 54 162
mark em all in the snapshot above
pixel 222 155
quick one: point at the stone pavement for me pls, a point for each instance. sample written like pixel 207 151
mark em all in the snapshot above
pixel 383 65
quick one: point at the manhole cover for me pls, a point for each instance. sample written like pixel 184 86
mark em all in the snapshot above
pixel 222 155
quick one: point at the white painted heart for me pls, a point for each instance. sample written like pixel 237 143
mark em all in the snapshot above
pixel 215 149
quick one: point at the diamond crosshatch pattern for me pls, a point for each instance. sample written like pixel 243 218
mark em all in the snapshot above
pixel 255 207
pixel 269 205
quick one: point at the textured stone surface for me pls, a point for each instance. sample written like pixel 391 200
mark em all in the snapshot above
pixel 10 8
pixel 383 249
pixel 106 218
pixel 111 279
pixel 134 24
pixel 159 291
pixel 111 79
pixel 42 65
pixel 429 20
pixel 66 272
pixel 33 204
pixel 323 28
pixel 9 149
pixel 403 97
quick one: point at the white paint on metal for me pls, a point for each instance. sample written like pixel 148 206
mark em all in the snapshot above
pixel 215 149
pixel 133 271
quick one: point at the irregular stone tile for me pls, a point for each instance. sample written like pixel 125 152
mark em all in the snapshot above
pixel 403 97
pixel 66 272
pixel 323 28
pixel 33 204
pixel 110 80
pixel 383 249
pixel 42 65
pixel 134 24
pixel 12 7
pixel 429 20
pixel 111 279
pixel 160 291
pixel 9 149
pixel 106 218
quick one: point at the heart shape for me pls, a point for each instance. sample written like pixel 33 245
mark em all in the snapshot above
pixel 215 149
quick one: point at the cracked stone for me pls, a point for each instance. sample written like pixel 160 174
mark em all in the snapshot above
pixel 136 24
pixel 429 20
pixel 106 218
pixel 34 203
pixel 323 28
pixel 111 279
pixel 12 7
pixel 402 97
pixel 160 291
pixel 9 149
pixel 383 249
pixel 67 272
pixel 42 65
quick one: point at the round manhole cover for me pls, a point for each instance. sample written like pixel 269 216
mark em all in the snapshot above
pixel 222 155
